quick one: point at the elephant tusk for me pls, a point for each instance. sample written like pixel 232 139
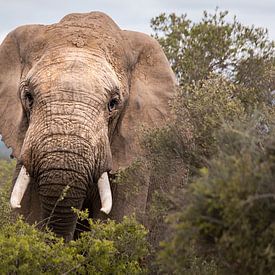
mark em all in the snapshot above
pixel 19 188
pixel 105 193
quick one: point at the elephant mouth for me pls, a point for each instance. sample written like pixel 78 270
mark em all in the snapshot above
pixel 23 181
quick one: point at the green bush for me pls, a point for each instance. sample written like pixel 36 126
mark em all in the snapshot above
pixel 114 248
pixel 24 249
pixel 6 173
pixel 216 44
pixel 109 248
pixel 229 211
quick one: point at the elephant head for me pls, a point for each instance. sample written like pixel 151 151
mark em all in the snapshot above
pixel 72 98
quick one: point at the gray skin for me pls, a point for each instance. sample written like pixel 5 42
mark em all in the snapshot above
pixel 73 96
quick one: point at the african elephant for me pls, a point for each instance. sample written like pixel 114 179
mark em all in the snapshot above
pixel 72 98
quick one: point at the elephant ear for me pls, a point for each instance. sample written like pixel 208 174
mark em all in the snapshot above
pixel 14 60
pixel 152 85
pixel 10 109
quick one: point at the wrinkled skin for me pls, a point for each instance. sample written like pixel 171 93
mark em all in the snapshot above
pixel 72 98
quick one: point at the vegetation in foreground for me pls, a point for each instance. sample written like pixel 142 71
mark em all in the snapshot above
pixel 108 248
pixel 212 197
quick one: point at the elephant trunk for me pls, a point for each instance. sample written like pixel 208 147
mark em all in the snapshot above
pixel 61 186
pixel 57 215
pixel 66 169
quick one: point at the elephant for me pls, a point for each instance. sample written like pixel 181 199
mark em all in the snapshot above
pixel 73 97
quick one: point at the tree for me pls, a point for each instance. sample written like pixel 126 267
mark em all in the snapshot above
pixel 242 54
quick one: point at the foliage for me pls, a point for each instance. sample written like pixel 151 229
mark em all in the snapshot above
pixel 25 249
pixel 225 71
pixel 123 246
pixel 215 45
pixel 131 178
pixel 175 152
pixel 108 248
pixel 229 210
pixel 129 184
pixel 204 106
pixel 6 171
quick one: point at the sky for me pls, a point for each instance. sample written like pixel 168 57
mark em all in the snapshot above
pixel 132 15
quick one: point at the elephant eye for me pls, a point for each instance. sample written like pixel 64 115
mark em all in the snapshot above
pixel 28 100
pixel 112 104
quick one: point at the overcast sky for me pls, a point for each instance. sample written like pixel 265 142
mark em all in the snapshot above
pixel 133 15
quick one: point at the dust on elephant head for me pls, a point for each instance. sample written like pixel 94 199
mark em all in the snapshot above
pixel 72 98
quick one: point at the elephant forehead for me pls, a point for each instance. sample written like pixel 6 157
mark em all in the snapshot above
pixel 71 69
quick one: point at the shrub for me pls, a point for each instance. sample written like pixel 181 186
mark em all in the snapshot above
pixel 25 249
pixel 216 44
pixel 229 211
pixel 110 248
pixel 6 173
pixel 175 152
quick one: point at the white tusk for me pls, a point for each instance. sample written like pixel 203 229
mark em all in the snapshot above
pixel 105 193
pixel 19 188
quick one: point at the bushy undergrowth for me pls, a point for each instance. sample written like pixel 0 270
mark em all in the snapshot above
pixel 108 248
pixel 228 212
